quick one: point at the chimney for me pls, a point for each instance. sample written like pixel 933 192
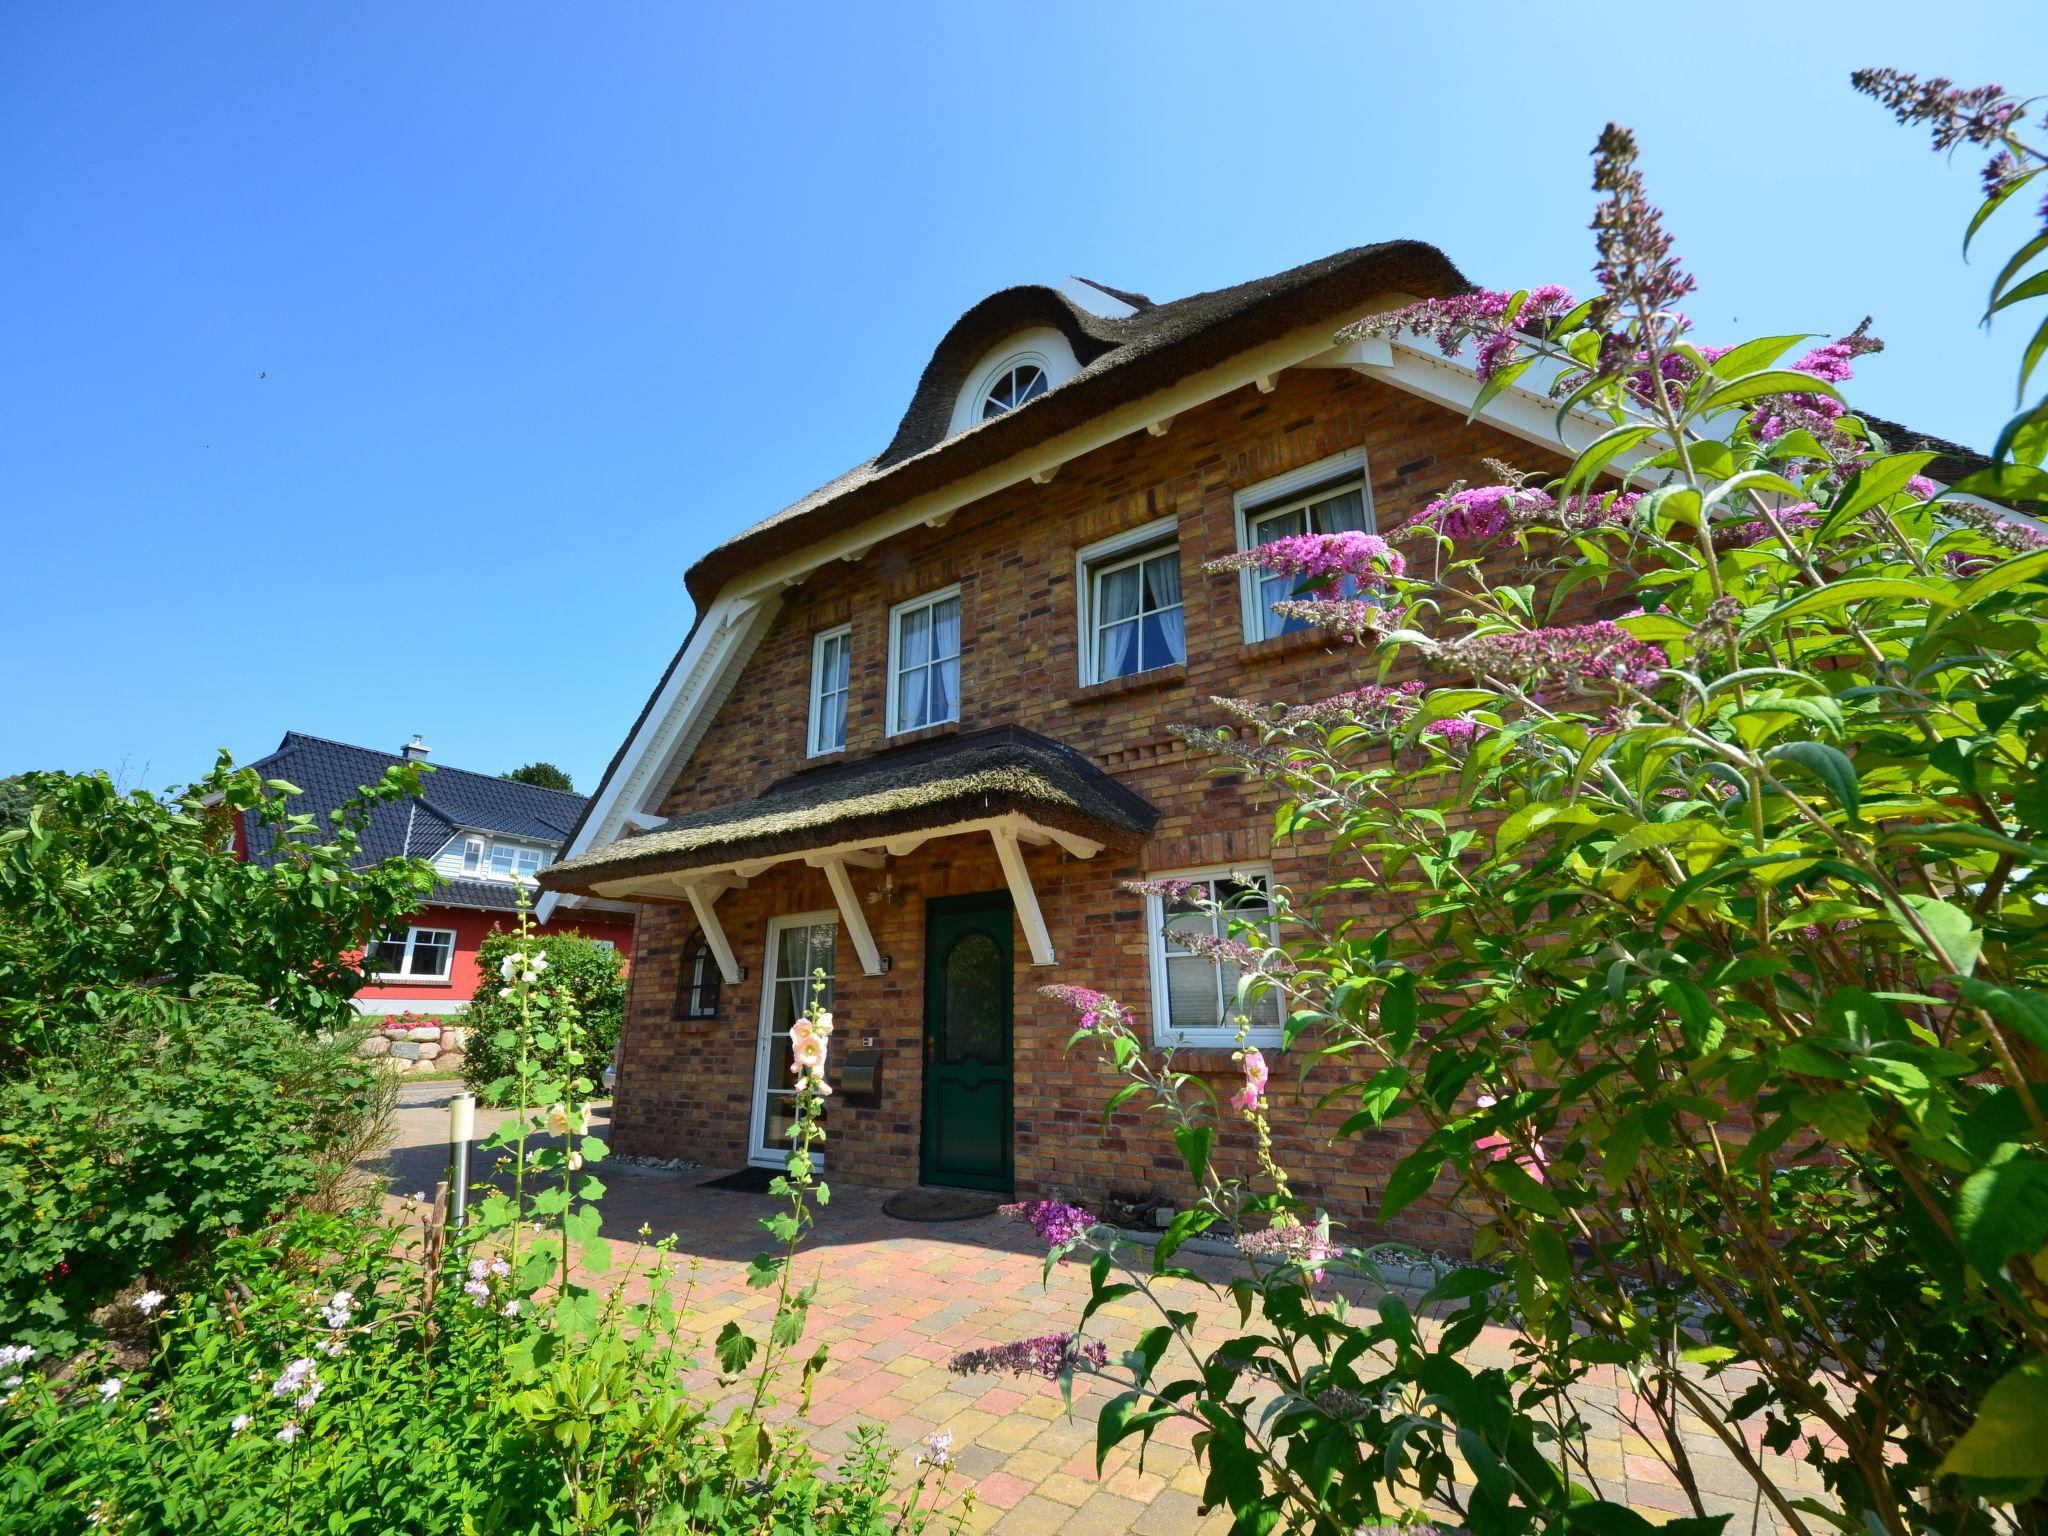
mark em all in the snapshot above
pixel 415 749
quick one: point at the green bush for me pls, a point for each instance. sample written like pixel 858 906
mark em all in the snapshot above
pixel 188 1120
pixel 101 891
pixel 582 973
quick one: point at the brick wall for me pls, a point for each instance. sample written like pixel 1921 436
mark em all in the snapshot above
pixel 687 1085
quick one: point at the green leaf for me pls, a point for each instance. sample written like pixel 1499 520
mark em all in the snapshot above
pixel 2006 1442
pixel 1770 381
pixel 1194 1142
pixel 1950 927
pixel 1827 764
pixel 2005 482
pixel 2033 288
pixel 2024 1011
pixel 1993 203
pixel 2009 573
pixel 2002 1210
pixel 1752 356
pixel 1522 1187
pixel 1877 482
pixel 1840 594
pixel 734 1348
pixel 1502 378
pixel 1602 451
pixel 1412 1178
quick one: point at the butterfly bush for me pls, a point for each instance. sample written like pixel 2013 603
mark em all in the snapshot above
pixel 1677 942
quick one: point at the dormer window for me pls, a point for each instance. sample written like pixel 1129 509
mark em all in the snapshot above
pixel 1022 380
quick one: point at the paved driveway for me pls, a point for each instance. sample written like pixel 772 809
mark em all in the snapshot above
pixel 896 1300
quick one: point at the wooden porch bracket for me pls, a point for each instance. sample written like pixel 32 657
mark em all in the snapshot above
pixel 850 913
pixel 1022 895
pixel 702 903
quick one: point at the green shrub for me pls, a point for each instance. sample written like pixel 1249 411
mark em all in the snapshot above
pixel 187 1121
pixel 584 974
pixel 1689 913
pixel 101 891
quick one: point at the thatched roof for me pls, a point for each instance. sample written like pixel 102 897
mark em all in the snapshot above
pixel 914 789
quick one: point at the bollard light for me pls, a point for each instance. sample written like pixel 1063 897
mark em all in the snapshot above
pixel 461 1131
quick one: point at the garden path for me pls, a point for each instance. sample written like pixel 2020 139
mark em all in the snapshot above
pixel 897 1300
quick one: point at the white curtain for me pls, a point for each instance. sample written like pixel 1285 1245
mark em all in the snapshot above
pixel 1163 577
pixel 1119 624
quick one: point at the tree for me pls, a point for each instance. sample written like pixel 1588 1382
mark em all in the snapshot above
pixel 542 775
pixel 16 799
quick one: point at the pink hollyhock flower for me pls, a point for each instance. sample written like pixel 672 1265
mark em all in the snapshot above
pixel 1252 1097
pixel 1497 1146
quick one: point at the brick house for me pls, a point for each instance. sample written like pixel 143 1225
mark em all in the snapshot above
pixel 485 836
pixel 919 733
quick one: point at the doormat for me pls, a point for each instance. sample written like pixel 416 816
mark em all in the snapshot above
pixel 748 1181
pixel 940 1204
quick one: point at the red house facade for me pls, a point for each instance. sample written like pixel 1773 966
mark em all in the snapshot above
pixel 486 836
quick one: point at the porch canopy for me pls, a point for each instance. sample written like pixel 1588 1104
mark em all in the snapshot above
pixel 1008 784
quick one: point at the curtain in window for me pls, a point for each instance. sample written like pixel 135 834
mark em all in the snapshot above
pixel 945 693
pixel 1117 624
pixel 1162 580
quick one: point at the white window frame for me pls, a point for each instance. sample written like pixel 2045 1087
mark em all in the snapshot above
pixel 896 616
pixel 476 857
pixel 1094 561
pixel 412 942
pixel 519 853
pixel 759 1153
pixel 1208 1037
pixel 824 637
pixel 1289 493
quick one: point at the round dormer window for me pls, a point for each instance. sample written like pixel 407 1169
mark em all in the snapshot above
pixel 1011 387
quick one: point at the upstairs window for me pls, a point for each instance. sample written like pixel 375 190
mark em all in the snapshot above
pixel 924 666
pixel 472 855
pixel 514 862
pixel 1131 611
pixel 831 681
pixel 412 954
pixel 1327 497
pixel 1194 996
pixel 1021 381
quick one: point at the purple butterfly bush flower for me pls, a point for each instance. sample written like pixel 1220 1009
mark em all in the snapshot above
pixel 1481 314
pixel 1977 114
pixel 1800 517
pixel 1097 1009
pixel 1057 1222
pixel 1457 730
pixel 1636 267
pixel 1319 557
pixel 1589 657
pixel 1050 1355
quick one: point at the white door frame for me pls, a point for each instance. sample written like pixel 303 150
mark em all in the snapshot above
pixel 759 1153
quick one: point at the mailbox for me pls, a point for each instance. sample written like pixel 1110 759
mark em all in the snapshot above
pixel 861 1077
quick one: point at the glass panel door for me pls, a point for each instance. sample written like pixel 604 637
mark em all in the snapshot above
pixel 798 947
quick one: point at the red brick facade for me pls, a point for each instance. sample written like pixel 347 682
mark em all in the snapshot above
pixel 687 1085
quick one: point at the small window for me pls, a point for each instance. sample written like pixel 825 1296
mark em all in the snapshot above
pixel 831 682
pixel 472 855
pixel 1326 497
pixel 1194 996
pixel 1131 614
pixel 1014 385
pixel 514 862
pixel 924 670
pixel 417 954
pixel 699 981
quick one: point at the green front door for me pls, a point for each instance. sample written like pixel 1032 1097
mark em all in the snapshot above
pixel 968 991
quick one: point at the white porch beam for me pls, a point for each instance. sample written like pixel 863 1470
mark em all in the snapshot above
pixel 1022 895
pixel 646 821
pixel 869 858
pixel 1079 847
pixel 1160 427
pixel 850 913
pixel 701 903
pixel 1267 383
pixel 1044 476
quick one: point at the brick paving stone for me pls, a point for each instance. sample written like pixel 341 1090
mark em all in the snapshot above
pixel 898 1302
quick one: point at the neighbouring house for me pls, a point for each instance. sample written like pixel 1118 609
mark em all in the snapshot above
pixel 487 837
pixel 919 735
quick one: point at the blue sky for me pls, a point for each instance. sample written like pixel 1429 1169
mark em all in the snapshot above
pixel 378 369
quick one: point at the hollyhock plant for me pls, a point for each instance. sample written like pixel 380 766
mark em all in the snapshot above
pixel 1251 1098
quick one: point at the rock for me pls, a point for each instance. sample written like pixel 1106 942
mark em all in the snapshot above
pixel 424 1032
pixel 455 1038
pixel 430 1050
pixel 451 1061
pixel 405 1050
pixel 376 1045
